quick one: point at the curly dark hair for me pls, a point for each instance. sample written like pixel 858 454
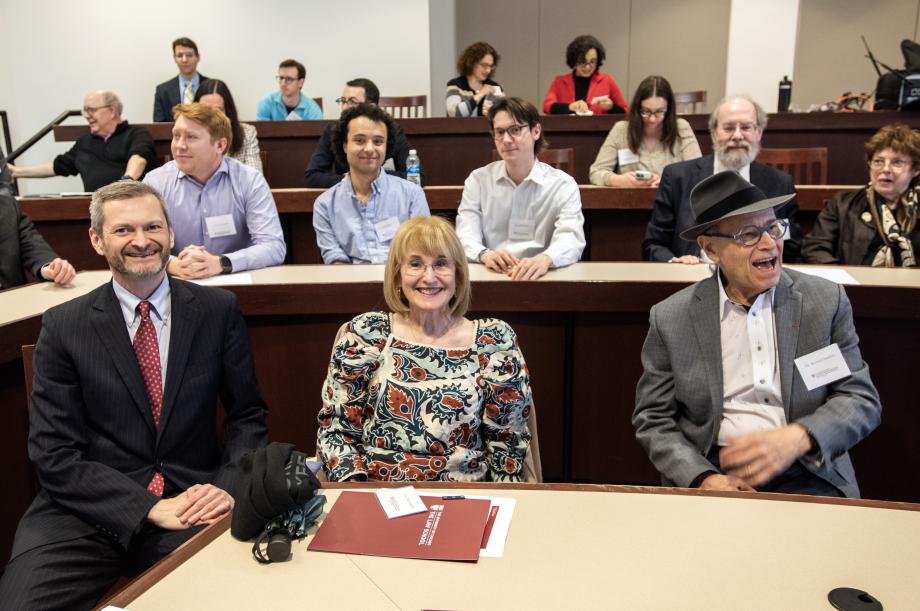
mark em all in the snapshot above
pixel 372 112
pixel 579 47
pixel 473 54
pixel 213 85
pixel 898 137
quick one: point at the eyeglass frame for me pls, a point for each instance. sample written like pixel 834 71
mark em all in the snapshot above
pixel 449 267
pixel 90 110
pixel 353 101
pixel 648 114
pixel 286 79
pixel 897 165
pixel 761 229
pixel 745 128
pixel 498 133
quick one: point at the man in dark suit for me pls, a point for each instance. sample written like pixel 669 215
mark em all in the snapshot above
pixel 727 400
pixel 123 422
pixel 736 127
pixel 23 248
pixel 179 90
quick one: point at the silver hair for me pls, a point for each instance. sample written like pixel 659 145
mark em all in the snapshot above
pixel 110 99
pixel 758 109
pixel 121 190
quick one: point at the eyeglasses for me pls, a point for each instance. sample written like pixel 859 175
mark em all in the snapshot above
pixel 89 110
pixel 286 79
pixel 896 164
pixel 593 62
pixel 417 267
pixel 485 66
pixel 348 101
pixel 730 128
pixel 749 235
pixel 648 114
pixel 514 131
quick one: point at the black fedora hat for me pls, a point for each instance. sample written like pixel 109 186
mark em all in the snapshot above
pixel 724 195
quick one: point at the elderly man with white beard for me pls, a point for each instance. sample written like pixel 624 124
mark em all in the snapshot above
pixel 736 127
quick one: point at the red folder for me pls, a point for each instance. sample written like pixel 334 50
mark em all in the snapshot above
pixel 450 530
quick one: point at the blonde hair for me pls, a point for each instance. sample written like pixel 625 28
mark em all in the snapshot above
pixel 213 119
pixel 432 236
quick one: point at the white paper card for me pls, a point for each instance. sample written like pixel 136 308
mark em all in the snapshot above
pixel 398 502
pixel 293 116
pixel 599 98
pixel 240 279
pixel 626 157
pixel 495 546
pixel 521 229
pixel 220 226
pixel 822 367
pixel 386 228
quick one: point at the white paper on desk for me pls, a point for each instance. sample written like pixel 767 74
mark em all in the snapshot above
pixel 225 280
pixel 111 608
pixel 398 502
pixel 495 546
pixel 834 274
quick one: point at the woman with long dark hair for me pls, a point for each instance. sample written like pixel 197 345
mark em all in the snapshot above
pixel 244 146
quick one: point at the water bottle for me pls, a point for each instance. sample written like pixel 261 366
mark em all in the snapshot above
pixel 413 168
pixel 785 94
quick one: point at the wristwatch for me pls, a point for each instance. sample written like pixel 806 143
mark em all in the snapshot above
pixel 482 252
pixel 226 265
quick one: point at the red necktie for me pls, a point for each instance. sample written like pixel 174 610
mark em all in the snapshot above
pixel 148 357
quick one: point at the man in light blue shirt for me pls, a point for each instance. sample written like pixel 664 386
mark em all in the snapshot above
pixel 223 212
pixel 356 219
pixel 288 103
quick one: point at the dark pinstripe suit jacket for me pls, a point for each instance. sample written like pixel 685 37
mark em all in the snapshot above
pixel 92 436
pixel 21 246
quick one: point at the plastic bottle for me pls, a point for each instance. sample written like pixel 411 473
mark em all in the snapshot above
pixel 413 168
pixel 785 94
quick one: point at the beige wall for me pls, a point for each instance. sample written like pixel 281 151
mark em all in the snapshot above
pixel 829 56
pixel 642 37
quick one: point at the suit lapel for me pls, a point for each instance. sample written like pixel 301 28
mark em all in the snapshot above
pixel 109 324
pixel 185 319
pixel 703 169
pixel 787 308
pixel 704 312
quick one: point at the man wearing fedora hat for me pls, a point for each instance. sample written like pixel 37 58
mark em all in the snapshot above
pixel 722 404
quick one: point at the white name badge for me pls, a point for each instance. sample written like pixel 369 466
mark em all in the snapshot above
pixel 398 502
pixel 626 157
pixel 822 367
pixel 293 116
pixel 220 226
pixel 386 228
pixel 521 229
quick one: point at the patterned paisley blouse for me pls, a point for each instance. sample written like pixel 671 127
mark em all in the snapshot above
pixel 398 410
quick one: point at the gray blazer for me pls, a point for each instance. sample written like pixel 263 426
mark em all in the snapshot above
pixel 679 396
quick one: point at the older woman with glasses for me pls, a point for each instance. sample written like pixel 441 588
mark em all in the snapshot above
pixel 585 90
pixel 422 392
pixel 877 224
pixel 637 150
pixel 473 92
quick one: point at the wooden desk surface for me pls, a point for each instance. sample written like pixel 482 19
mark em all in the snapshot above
pixel 587 547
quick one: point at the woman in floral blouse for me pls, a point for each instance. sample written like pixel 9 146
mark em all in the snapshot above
pixel 421 392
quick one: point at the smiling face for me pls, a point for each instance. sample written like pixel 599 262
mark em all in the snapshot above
pixel 352 96
pixel 514 148
pixel 428 282
pixel 135 239
pixel 588 64
pixel 186 60
pixel 366 146
pixel 890 173
pixel 102 119
pixel 736 138
pixel 748 270
pixel 194 151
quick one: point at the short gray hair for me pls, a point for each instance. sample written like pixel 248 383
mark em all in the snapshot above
pixel 123 189
pixel 110 99
pixel 761 113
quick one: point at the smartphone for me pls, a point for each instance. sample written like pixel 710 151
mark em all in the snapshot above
pixel 643 175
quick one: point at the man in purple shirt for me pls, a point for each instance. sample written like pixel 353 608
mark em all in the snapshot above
pixel 223 211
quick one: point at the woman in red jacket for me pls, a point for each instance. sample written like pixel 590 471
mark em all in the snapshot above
pixel 586 90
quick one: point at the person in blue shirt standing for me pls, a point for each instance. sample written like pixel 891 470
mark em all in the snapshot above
pixel 224 215
pixel 356 219
pixel 288 103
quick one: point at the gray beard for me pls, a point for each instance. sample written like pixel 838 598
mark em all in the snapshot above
pixel 736 159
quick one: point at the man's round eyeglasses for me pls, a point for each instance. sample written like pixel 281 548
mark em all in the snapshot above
pixel 514 131
pixel 749 235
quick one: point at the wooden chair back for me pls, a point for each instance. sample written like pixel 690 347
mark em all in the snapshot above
pixel 689 102
pixel 561 159
pixel 808 166
pixel 319 102
pixel 405 107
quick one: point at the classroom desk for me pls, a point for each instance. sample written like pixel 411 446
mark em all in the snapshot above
pixel 581 330
pixel 580 547
pixel 451 148
pixel 615 220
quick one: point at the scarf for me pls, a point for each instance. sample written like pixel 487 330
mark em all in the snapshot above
pixel 894 227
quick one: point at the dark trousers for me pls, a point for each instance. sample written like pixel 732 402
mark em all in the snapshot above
pixel 794 480
pixel 75 574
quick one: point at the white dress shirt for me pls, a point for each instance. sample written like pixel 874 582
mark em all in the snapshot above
pixel 540 215
pixel 752 395
pixel 717 167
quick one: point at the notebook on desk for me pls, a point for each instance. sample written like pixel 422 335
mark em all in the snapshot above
pixel 449 530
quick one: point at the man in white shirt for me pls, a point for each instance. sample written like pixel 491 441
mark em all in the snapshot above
pixel 520 216
pixel 722 403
